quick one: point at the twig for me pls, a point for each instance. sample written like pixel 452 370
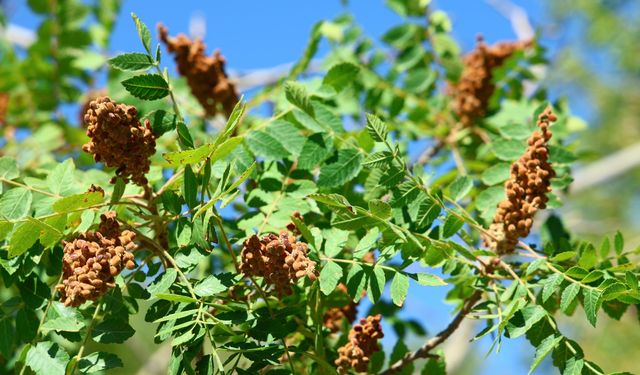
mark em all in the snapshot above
pixel 441 337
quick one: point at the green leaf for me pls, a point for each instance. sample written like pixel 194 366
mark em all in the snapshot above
pixel 496 174
pixel 131 62
pixel 297 95
pixel 112 331
pixel 591 303
pixel 61 181
pixel 427 279
pixel 63 318
pixel 329 276
pixel 24 236
pixel 336 239
pixel 366 243
pixel 618 241
pixel 460 187
pixel 376 128
pixel 399 288
pixel 47 358
pixel 77 201
pixel 377 281
pixel 98 361
pixel 632 280
pixel 605 247
pixel 190 187
pixel 452 224
pixel 161 121
pixel 551 284
pixel 347 167
pixel 593 276
pixel 428 211
pixel 315 150
pixel 184 136
pixel 210 286
pixel 176 298
pixel 524 319
pixel 118 190
pixel 356 281
pixel 341 75
pixel 508 150
pixel 568 295
pixel 6 336
pixel 293 140
pixel 264 144
pixel 380 209
pixel 588 258
pixel 203 152
pixel 542 351
pixel 164 282
pixel 564 256
pixel 147 86
pixel 378 159
pixel 573 366
pixel 143 33
pixel 487 201
pixel 8 168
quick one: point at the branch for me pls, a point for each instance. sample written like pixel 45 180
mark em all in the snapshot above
pixel 606 168
pixel 441 337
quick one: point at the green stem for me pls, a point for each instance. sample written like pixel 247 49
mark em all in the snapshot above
pixel 92 324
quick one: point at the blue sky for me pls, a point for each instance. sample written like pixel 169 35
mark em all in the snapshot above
pixel 256 34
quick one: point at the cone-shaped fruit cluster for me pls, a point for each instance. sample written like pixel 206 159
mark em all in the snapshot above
pixel 205 74
pixel 281 260
pixel 474 89
pixel 526 189
pixel 118 139
pixel 363 342
pixel 93 260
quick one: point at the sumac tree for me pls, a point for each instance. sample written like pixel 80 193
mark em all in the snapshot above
pixel 247 239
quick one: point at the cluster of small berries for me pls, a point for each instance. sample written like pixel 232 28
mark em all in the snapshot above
pixel 475 87
pixel 119 139
pixel 363 342
pixel 92 261
pixel 280 260
pixel 205 74
pixel 526 189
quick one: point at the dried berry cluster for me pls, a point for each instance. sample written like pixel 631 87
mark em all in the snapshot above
pixel 474 89
pixel 205 74
pixel 363 342
pixel 119 139
pixel 332 319
pixel 526 190
pixel 86 103
pixel 281 260
pixel 4 105
pixel 92 261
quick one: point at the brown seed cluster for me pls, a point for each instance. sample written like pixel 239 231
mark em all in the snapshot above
pixel 472 92
pixel 526 190
pixel 86 103
pixel 205 74
pixel 333 318
pixel 363 342
pixel 119 139
pixel 281 260
pixel 93 260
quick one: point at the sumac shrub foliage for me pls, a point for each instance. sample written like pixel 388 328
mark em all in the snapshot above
pixel 246 229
